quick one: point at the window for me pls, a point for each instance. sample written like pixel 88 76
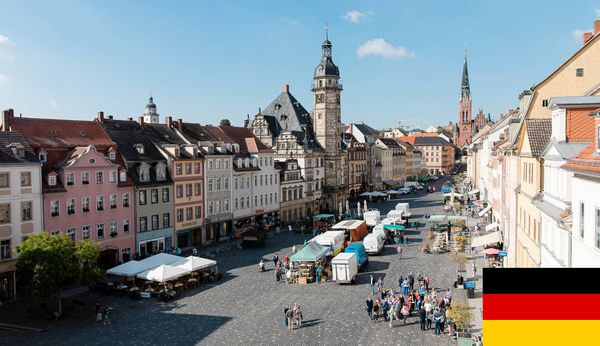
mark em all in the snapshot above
pixel 180 215
pixel 143 224
pixel 179 191
pixel 210 164
pixel 42 156
pixel 235 183
pixel 85 232
pixel 178 169
pixel 598 138
pixel 261 180
pixel 210 185
pixel 165 194
pixel 5 249
pixel 126 254
pixel 139 148
pixel 123 176
pixel 218 184
pixel 85 178
pixel 111 156
pixel 113 228
pixel 125 200
pixel 189 215
pixel 5 213
pixel 161 173
pixel 255 200
pixel 142 197
pixel 100 203
pixel 219 164
pixel 71 233
pixel 226 204
pixel 4 180
pixel 54 208
pixel 25 179
pixel 100 230
pixel 166 220
pixel 247 202
pixel 197 212
pixel 112 177
pixel 70 206
pixel 85 204
pixel 197 189
pixel 25 211
pixel 196 168
pixel 155 222
pixel 598 228
pixel 226 184
pixel 154 196
pixel 544 103
pixel 52 180
pixel 144 173
pixel 581 219
pixel 70 179
pixel 126 226
pixel 579 72
pixel 236 204
pixel 226 163
pixel 188 190
pixel 99 177
pixel 188 168
pixel 113 201
pixel 210 207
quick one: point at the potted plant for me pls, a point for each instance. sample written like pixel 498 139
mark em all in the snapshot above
pixel 426 248
pixel 461 315
pixel 430 234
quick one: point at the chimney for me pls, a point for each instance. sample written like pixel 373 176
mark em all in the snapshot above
pixel 596 26
pixel 130 119
pixel 101 116
pixel 6 115
pixel 180 124
pixel 286 88
pixel 141 120
pixel 169 121
pixel 587 36
pixel 110 117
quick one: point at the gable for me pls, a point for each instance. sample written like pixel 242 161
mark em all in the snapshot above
pixel 524 146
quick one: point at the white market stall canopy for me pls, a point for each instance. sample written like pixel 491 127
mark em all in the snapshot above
pixel 132 268
pixel 491 238
pixel 491 226
pixel 378 194
pixel 485 210
pixel 193 263
pixel 366 194
pixel 347 224
pixel 438 219
pixel 473 192
pixel 163 273
pixel 450 194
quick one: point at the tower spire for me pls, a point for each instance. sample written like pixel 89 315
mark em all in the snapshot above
pixel 465 87
pixel 326 32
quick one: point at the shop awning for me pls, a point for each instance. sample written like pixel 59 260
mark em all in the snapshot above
pixel 457 195
pixel 392 192
pixel 485 210
pixel 323 216
pixel 390 182
pixel 366 194
pixel 494 237
pixel 491 226
pixel 310 253
pixel 475 191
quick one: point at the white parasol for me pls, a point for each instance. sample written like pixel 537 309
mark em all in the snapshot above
pixel 365 207
pixel 358 209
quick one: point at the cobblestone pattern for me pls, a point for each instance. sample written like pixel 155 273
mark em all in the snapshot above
pixel 246 307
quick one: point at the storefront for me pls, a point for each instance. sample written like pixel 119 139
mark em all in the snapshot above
pixel 184 238
pixel 219 229
pixel 7 281
pixel 152 242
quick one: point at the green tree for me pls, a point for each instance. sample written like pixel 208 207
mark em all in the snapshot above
pixel 48 263
pixel 225 122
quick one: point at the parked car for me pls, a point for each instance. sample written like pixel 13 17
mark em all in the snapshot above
pixel 404 190
pixel 362 259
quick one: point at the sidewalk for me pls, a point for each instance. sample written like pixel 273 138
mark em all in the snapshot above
pixel 477 303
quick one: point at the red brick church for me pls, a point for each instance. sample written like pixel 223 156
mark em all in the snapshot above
pixel 466 127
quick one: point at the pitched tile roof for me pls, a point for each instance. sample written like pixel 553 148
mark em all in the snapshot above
pixel 6 153
pixel 425 141
pixel 539 132
pixel 246 139
pixel 366 129
pixel 587 160
pixel 580 125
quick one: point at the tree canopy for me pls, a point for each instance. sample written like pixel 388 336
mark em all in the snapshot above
pixel 225 122
pixel 50 262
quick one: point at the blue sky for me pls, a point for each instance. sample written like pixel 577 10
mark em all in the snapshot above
pixel 204 61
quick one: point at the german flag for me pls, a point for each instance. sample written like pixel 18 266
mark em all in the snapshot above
pixel 541 306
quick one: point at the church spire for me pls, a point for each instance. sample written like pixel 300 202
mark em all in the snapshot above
pixel 465 88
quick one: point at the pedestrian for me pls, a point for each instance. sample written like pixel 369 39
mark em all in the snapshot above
pixel 426 282
pixel 449 321
pixel 290 319
pixel 298 315
pixel 369 305
pixel 404 312
pixel 318 272
pixel 97 312
pixel 405 287
pixel 107 310
pixel 437 319
pixel 275 259
pixel 474 269
pixel 400 281
pixel 406 240
pixel 294 248
pixel 422 317
pixel 376 310
pixel 372 284
pixel 385 307
pixel 285 310
pixel 194 252
pixel 401 238
pixel 411 281
pixel 428 313
pixel 399 251
pixel 379 284
pixel 277 274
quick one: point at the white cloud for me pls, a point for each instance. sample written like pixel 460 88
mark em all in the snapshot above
pixel 3 79
pixel 6 41
pixel 7 48
pixel 355 16
pixel 53 104
pixel 578 34
pixel 290 21
pixel 378 46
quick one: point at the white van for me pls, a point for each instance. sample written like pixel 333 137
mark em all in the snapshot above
pixel 373 244
pixel 395 214
pixel 379 231
pixel 372 217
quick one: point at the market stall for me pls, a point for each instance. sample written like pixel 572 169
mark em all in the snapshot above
pixel 394 231
pixel 163 273
pixel 306 260
pixel 333 239
pixel 355 230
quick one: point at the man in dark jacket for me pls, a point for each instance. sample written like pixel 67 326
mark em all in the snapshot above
pixel 369 303
pixel 411 281
pixel 422 317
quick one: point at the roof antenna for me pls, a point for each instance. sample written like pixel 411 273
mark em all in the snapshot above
pixel 326 32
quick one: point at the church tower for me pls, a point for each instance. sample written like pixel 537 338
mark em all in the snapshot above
pixel 150 114
pixel 326 119
pixel 464 125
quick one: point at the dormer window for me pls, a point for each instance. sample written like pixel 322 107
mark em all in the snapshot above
pixel 239 162
pixel 82 133
pixel 43 156
pixel 18 149
pixel 112 155
pixel 247 162
pixel 52 180
pixel 144 173
pixel 176 152
pixel 54 133
pixel 139 148
pixel 123 176
pixel 161 172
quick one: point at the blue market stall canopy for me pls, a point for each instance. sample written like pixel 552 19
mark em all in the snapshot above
pixel 310 253
pixel 323 216
pixel 395 227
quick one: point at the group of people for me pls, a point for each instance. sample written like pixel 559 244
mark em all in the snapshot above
pixel 292 316
pixel 432 309
pixel 102 313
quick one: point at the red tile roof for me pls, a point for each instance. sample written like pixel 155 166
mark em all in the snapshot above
pixel 580 125
pixel 587 160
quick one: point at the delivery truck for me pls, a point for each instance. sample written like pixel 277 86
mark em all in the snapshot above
pixel 372 217
pixel 333 239
pixel 373 244
pixel 344 268
pixel 355 230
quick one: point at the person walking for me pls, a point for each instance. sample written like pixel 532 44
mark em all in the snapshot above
pixel 428 314
pixel 275 259
pixel 97 308
pixel 422 317
pixel 474 269
pixel 405 287
pixel 449 321
pixel 379 285
pixel 426 282
pixel 107 310
pixel 404 313
pixel 411 282
pixel 376 309
pixel 290 319
pixel 400 281
pixel 318 273
pixel 298 315
pixel 369 304
pixel 399 251
pixel 437 319
pixel 372 284
pixel 285 318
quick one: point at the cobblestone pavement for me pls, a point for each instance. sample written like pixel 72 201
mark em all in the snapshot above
pixel 246 307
